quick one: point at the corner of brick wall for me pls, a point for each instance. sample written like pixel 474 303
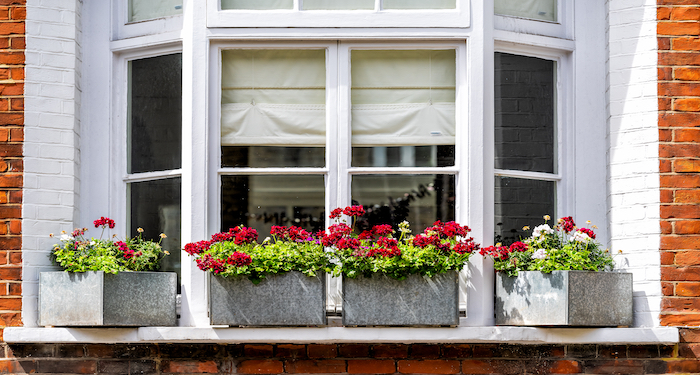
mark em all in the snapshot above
pixel 678 32
pixel 12 45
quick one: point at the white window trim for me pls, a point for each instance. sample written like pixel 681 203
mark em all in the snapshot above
pixel 459 17
pixel 122 28
pixel 562 28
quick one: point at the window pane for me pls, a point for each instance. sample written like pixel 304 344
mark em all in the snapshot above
pixel 257 4
pixel 545 10
pixel 155 119
pixel 155 207
pixel 419 4
pixel 521 202
pixel 270 156
pixel 140 10
pixel 391 199
pixel 274 98
pixel 338 4
pixel 403 98
pixel 261 201
pixel 403 156
pixel 525 109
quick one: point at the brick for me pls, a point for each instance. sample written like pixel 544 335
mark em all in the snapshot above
pixel 680 181
pixel 8 150
pixel 686 135
pixel 63 366
pixel 691 335
pixel 127 367
pixel 687 227
pixel 663 44
pixel 18 43
pixel 666 227
pixel 353 350
pixel 12 366
pixel 322 366
pixel 431 366
pixel 260 366
pixel 564 367
pixel 189 351
pixel 15 227
pixel 665 74
pixel 643 351
pixel 680 211
pixel 390 351
pixel 10 273
pixel 685 242
pixel 687 258
pixel 371 366
pixel 18 13
pixel 614 367
pixel 667 258
pixel 686 366
pixel 11 89
pixel 667 288
pixel 663 13
pixel 258 350
pixel 10 28
pixel 689 350
pixel 686 74
pixel 126 351
pixel 70 351
pixel 685 44
pixel 474 366
pixel 200 367
pixel 662 28
pixel 457 351
pixel 680 88
pixel 291 351
pixel 17 73
pixel 23 351
pixel 684 13
pixel 14 289
pixel 687 104
pixel 11 304
pixel 679 120
pixel 687 289
pixel 679 319
pixel 679 304
pixel 665 104
pixel 10 118
pixel 11 58
pixel 424 351
pixel 680 274
pixel 322 351
pixel 612 352
pixel 13 2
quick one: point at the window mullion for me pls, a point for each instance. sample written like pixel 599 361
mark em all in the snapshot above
pixel 343 136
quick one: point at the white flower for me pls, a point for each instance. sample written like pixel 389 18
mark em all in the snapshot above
pixel 93 243
pixel 579 237
pixel 541 230
pixel 539 254
pixel 65 237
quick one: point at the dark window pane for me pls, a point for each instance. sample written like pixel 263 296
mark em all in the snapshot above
pixel 271 156
pixel 260 202
pixel 404 156
pixel 155 122
pixel 521 202
pixel 155 207
pixel 391 199
pixel 524 121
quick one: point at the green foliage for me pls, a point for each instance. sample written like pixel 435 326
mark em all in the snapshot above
pixel 75 253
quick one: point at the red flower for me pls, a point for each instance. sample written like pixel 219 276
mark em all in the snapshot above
pixel 365 235
pixel 465 247
pixel 588 232
pixel 518 246
pixel 246 236
pixel 354 211
pixel 195 248
pixel 382 230
pixel 347 243
pixel 336 213
pixel 239 259
pixel 567 223
pixel 104 222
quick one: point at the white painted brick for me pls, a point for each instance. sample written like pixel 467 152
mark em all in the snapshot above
pixel 57 31
pixel 60 183
pixel 56 121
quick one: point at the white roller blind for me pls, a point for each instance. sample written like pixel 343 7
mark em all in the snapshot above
pixel 257 4
pixel 545 10
pixel 338 4
pixel 140 10
pixel 273 97
pixel 419 4
pixel 403 97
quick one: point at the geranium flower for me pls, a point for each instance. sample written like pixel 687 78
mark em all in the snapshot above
pixel 539 254
pixel 542 230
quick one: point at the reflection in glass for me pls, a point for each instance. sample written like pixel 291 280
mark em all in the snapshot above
pixel 272 100
pixel 545 10
pixel 257 4
pixel 338 4
pixel 155 207
pixel 155 119
pixel 524 113
pixel 391 199
pixel 402 98
pixel 419 4
pixel 141 10
pixel 520 202
pixel 403 156
pixel 261 201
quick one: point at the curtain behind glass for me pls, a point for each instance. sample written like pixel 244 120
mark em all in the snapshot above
pixel 403 97
pixel 140 10
pixel 419 4
pixel 257 4
pixel 338 4
pixel 545 10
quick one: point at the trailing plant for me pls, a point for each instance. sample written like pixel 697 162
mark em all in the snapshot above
pixel 77 253
pixel 564 247
pixel 439 249
pixel 237 253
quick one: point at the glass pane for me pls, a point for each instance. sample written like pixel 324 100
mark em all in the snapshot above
pixel 545 10
pixel 155 207
pixel 419 4
pixel 155 114
pixel 261 201
pixel 402 98
pixel 525 131
pixel 140 10
pixel 273 98
pixel 338 4
pixel 391 199
pixel 270 156
pixel 520 202
pixel 403 156
pixel 257 4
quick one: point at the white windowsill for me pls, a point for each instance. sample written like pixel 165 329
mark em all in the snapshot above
pixel 510 335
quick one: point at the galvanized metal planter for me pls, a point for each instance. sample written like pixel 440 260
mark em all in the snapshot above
pixel 101 299
pixel 564 298
pixel 288 299
pixel 415 301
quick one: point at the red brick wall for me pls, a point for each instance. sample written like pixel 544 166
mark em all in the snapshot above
pixel 12 44
pixel 679 150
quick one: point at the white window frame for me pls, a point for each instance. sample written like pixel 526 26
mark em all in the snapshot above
pixel 459 17
pixel 563 27
pixel 122 28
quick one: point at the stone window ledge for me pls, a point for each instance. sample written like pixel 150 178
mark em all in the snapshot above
pixel 510 335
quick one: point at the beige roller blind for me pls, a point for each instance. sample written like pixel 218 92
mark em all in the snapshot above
pixel 338 4
pixel 419 4
pixel 257 4
pixel 545 10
